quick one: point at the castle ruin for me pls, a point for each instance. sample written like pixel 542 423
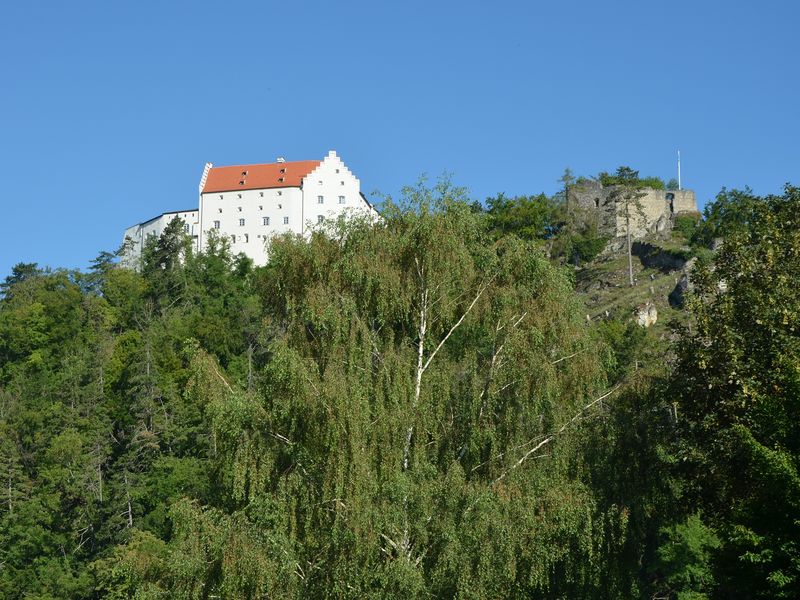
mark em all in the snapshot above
pixel 659 208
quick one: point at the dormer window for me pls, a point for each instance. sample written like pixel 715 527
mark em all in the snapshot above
pixel 244 173
pixel 280 179
pixel 283 170
pixel 241 182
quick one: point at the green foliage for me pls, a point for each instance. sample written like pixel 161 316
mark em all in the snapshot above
pixel 684 566
pixel 586 247
pixel 529 217
pixel 738 385
pixel 410 408
pixel 686 225
pixel 627 176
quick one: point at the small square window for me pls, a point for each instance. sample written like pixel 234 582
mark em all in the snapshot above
pixel 220 210
pixel 320 218
pixel 337 171
pixel 240 208
pixel 341 200
pixel 280 193
pixel 265 221
pixel 319 182
pixel 246 238
pixel 220 196
pixel 285 220
pixel 233 239
pixel 261 194
pixel 280 205
pixel 216 224
pixel 241 195
pixel 241 222
pixel 260 208
pixel 320 199
pixel 341 182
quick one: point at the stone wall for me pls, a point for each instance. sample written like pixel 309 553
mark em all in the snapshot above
pixel 659 208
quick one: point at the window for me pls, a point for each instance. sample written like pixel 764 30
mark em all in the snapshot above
pixel 244 173
pixel 241 195
pixel 320 218
pixel 246 238
pixel 220 196
pixel 319 182
pixel 341 199
pixel 186 228
pixel 241 222
pixel 220 210
pixel 216 224
pixel 341 182
pixel 261 194
pixel 285 220
pixel 280 193
pixel 265 221
pixel 337 171
pixel 260 208
pixel 233 239
pixel 320 199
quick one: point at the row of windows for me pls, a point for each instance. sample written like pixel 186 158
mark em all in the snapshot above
pixel 260 194
pixel 264 221
pixel 321 200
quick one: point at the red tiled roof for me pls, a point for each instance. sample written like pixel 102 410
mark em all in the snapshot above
pixel 257 177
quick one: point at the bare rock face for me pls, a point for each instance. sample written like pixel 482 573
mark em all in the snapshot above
pixel 677 297
pixel 645 314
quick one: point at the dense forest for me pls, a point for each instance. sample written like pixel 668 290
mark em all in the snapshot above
pixel 414 408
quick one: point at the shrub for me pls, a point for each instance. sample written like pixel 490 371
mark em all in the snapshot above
pixel 686 225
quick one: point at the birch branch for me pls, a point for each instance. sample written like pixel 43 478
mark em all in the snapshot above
pixel 552 436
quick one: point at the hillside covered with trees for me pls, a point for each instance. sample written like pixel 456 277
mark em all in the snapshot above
pixel 415 408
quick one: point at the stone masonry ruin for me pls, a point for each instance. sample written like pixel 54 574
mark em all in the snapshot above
pixel 659 208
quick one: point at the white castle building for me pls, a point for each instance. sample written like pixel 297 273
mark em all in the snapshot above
pixel 251 203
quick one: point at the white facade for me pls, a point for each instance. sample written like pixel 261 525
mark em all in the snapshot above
pixel 137 235
pixel 249 214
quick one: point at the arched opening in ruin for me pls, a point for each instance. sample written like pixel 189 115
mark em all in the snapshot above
pixel 671 200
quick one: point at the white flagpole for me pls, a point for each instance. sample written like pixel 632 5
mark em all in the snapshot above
pixel 679 170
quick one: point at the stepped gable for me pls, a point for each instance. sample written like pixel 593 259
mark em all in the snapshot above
pixel 258 177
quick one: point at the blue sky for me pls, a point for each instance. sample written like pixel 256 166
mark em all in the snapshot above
pixel 108 110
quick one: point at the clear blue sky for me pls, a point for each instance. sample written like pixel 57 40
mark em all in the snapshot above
pixel 108 110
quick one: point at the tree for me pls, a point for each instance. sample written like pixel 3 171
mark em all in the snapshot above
pixel 738 392
pixel 626 195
